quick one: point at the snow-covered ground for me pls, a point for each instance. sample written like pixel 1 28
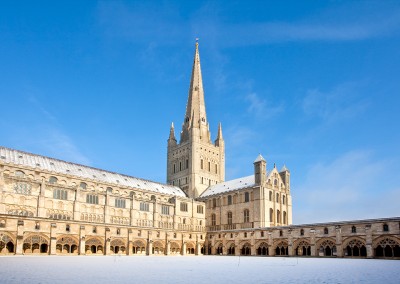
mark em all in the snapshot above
pixel 191 269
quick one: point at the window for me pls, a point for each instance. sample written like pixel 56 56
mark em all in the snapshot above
pixel 245 234
pixel 275 182
pixel 174 168
pixel 184 221
pixel 216 168
pixel 180 166
pixel 118 232
pixel 385 228
pixel 201 164
pixel 92 199
pixel 165 209
pixel 213 220
pixel 354 229
pixel 187 163
pixel 209 166
pixel 214 202
pixel 283 199
pixel 246 196
pixel 302 232
pixel 53 180
pixel 37 226
pixel 19 174
pixel 284 217
pixel 262 234
pixel 120 203
pixel 184 207
pixel 246 216
pixel 326 231
pixel 94 230
pixel 174 235
pixel 23 188
pixel 67 228
pixel 280 233
pixel 271 215
pixel 270 196
pixel 60 194
pixel 277 197
pixel 200 209
pixel 144 206
pixel 229 218
pixel 229 199
pixel 83 185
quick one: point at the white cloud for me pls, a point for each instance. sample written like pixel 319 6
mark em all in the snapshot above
pixel 350 187
pixel 260 107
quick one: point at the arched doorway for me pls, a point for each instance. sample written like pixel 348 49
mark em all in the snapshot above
pixel 246 249
pixel 355 248
pixel 231 249
pixel 175 248
pixel 190 248
pixel 117 246
pixel 387 247
pixel 219 250
pixel 327 248
pixel 303 248
pixel 6 244
pixel 281 248
pixel 67 245
pixel 94 246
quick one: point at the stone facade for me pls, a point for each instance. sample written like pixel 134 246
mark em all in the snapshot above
pixel 48 206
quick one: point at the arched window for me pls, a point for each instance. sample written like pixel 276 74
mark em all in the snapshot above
pixel 19 174
pixel 385 228
pixel 53 179
pixel 184 221
pixel 67 228
pixel 284 217
pixel 277 197
pixel 275 182
pixel 278 216
pixel 283 199
pixel 213 220
pixel 354 229
pixel 229 218
pixel 118 231
pixel 83 185
pixel 246 197
pixel 229 199
pixel 246 216
pixel 214 202
pixel 94 230
pixel 280 233
pixel 271 215
pixel 302 232
pixel 270 196
pixel 326 231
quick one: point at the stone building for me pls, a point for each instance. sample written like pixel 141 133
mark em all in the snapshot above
pixel 49 206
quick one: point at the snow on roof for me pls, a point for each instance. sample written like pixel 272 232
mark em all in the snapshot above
pixel 230 185
pixel 259 158
pixel 11 156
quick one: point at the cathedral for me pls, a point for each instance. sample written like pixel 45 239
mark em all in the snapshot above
pixel 54 207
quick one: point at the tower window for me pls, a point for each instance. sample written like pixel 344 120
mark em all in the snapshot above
pixel 326 231
pixel 200 209
pixel 180 166
pixel 184 207
pixel 246 216
pixel 385 228
pixel 174 168
pixel 216 168
pixel 229 199
pixel 301 232
pixel 354 229
pixel 201 164
pixel 246 197
pixel 187 163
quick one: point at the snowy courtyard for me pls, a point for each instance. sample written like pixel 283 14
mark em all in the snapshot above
pixel 201 269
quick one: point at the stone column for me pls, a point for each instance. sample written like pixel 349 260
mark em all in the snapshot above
pixel 339 248
pixel 150 247
pixel 20 237
pixel 168 248
pixel 290 243
pixel 107 249
pixel 237 248
pixel 184 248
pixel 77 209
pixel 312 243
pixel 82 240
pixel 253 244
pixel 41 211
pixel 53 239
pixel 224 248
pixel 130 243
pixel 270 244
pixel 368 241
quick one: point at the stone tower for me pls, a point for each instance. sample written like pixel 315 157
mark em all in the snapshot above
pixel 195 162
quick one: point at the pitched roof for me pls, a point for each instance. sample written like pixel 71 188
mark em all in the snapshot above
pixel 259 158
pixel 230 185
pixel 11 156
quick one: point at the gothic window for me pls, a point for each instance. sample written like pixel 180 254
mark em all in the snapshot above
pixel 165 209
pixel 180 166
pixel 83 185
pixel 94 230
pixel 120 203
pixel 23 188
pixel 326 231
pixel 280 233
pixel 92 199
pixel 278 216
pixel 229 218
pixel 271 215
pixel 213 220
pixel 283 199
pixel 262 234
pixel 246 197
pixel 37 226
pixel 302 232
pixel 144 206
pixel 174 168
pixel 201 164
pixel 275 182
pixel 184 221
pixel 53 179
pixel 187 163
pixel 277 197
pixel 209 166
pixel 214 202
pixel 216 168
pixel 284 217
pixel 118 231
pixel 246 216
pixel 245 234
pixel 184 207
pixel 270 196
pixel 60 194
pixel 385 228
pixel 67 228
pixel 200 209
pixel 229 199
pixel 354 229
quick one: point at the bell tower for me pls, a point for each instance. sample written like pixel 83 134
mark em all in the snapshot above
pixel 195 162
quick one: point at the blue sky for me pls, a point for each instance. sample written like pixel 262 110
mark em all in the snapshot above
pixel 314 85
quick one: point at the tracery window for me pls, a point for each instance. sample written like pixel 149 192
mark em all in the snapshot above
pixel 92 199
pixel 184 207
pixel 120 203
pixel 60 194
pixel 283 199
pixel 23 188
pixel 144 206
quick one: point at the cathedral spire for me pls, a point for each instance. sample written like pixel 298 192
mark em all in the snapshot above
pixel 171 138
pixel 219 139
pixel 195 116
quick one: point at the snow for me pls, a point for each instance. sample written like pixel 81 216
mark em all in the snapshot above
pixel 195 269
